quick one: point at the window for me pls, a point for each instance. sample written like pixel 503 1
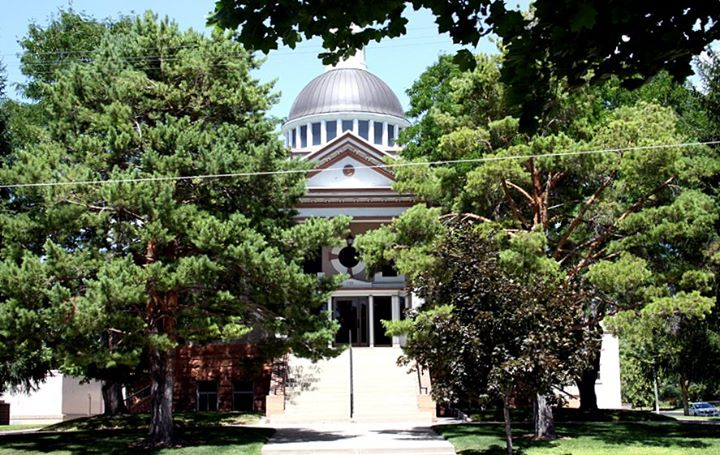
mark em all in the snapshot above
pixel 303 136
pixel 364 128
pixel 347 125
pixel 316 133
pixel 403 306
pixel 331 130
pixel 292 138
pixel 313 262
pixel 243 396
pixel 207 396
pixel 378 134
pixel 391 135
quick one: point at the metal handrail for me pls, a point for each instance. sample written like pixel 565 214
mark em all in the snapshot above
pixel 352 397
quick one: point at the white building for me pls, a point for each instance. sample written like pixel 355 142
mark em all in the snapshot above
pixel 59 398
pixel 346 121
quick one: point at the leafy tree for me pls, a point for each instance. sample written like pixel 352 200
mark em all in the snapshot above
pixel 148 257
pixel 71 37
pixel 579 209
pixel 576 41
pixel 489 330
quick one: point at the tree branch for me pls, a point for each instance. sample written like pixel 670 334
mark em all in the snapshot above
pixel 599 240
pixel 579 218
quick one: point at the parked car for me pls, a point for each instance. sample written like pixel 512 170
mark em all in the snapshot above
pixel 703 408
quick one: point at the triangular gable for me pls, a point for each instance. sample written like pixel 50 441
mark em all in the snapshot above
pixel 341 142
pixel 349 162
pixel 349 169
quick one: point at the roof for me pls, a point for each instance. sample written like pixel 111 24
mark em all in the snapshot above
pixel 346 90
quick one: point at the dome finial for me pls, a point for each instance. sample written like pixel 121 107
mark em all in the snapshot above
pixel 355 61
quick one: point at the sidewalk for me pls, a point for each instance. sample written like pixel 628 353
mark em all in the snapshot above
pixel 356 439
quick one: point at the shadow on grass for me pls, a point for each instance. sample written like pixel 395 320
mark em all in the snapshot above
pixel 485 439
pixel 671 434
pixel 124 441
pixel 142 421
pixel 573 415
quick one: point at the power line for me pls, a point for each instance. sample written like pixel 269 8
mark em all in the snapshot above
pixel 378 166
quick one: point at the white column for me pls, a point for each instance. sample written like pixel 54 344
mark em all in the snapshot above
pixel 371 324
pixel 296 132
pixel 309 135
pixel 395 311
pixel 338 127
pixel 385 141
pixel 323 132
pixel 356 130
pixel 371 131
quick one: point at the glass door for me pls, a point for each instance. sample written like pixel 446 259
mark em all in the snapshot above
pixel 352 314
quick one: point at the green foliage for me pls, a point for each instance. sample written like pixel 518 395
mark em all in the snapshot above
pixel 100 274
pixel 575 41
pixel 487 332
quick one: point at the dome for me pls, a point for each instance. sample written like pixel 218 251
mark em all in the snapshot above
pixel 346 90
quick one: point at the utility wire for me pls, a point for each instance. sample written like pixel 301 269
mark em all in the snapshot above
pixel 378 166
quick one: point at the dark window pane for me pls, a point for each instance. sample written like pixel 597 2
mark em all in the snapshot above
pixel 292 138
pixel 331 130
pixel 391 135
pixel 243 396
pixel 364 128
pixel 313 262
pixel 388 270
pixel 347 125
pixel 303 136
pixel 207 386
pixel 316 133
pixel 207 395
pixel 378 132
pixel 382 310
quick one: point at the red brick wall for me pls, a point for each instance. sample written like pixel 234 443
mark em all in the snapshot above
pixel 223 363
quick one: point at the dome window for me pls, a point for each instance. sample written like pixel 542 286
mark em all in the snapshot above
pixel 391 135
pixel 364 129
pixel 347 125
pixel 316 139
pixel 331 130
pixel 378 133
pixel 303 136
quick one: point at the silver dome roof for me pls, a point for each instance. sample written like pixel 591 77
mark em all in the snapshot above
pixel 346 90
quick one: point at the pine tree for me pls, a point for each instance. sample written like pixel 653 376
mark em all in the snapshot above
pixel 151 257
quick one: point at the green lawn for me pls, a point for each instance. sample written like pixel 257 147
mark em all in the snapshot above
pixel 599 438
pixel 197 433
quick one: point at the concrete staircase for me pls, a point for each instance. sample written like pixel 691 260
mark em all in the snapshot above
pixel 383 391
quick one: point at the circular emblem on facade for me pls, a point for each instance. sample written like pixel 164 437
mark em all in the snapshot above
pixel 348 257
pixel 349 170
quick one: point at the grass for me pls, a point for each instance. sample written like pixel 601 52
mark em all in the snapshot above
pixel 574 415
pixel 197 433
pixel 596 438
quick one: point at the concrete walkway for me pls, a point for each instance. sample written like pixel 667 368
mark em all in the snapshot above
pixel 356 439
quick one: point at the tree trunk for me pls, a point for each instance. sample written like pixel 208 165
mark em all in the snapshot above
pixel 161 393
pixel 586 385
pixel 544 420
pixel 113 398
pixel 655 392
pixel 684 383
pixel 508 428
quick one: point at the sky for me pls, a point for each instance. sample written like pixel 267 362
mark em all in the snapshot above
pixel 397 61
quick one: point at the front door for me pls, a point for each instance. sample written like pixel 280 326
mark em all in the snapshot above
pixel 352 314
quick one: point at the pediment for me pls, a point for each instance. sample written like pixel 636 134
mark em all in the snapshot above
pixel 349 163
